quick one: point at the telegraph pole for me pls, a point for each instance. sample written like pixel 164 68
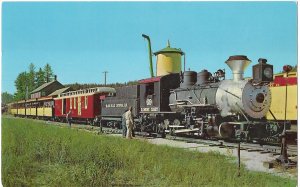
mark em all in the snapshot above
pixel 105 72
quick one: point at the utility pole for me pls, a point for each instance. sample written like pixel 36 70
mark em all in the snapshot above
pixel 26 97
pixel 105 72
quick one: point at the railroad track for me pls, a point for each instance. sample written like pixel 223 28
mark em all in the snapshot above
pixel 273 150
pixel 250 147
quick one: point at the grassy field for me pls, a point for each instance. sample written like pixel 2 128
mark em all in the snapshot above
pixel 39 154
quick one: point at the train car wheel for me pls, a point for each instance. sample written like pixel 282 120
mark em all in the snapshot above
pixel 226 130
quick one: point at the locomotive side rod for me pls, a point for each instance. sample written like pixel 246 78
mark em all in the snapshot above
pixel 272 114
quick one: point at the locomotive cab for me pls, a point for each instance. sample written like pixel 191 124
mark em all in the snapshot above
pixel 154 102
pixel 155 92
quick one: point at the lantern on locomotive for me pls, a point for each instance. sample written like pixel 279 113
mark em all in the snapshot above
pixel 262 72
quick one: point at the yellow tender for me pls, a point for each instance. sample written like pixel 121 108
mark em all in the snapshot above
pixel 278 90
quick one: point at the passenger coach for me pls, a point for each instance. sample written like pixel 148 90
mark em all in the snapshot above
pixel 85 105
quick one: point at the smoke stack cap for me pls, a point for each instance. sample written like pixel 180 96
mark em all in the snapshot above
pixel 238 57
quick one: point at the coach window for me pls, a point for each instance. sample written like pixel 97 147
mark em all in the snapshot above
pixel 64 103
pixel 85 102
pixel 71 103
pixel 74 102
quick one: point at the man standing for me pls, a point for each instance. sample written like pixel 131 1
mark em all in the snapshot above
pixel 129 122
pixel 124 128
pixel 69 118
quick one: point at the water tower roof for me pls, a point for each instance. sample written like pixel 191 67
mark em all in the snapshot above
pixel 169 49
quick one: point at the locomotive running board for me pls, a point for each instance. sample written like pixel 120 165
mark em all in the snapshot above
pixel 186 130
pixel 176 126
pixel 155 112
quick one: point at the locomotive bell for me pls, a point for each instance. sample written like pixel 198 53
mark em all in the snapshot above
pixel 203 77
pixel 238 64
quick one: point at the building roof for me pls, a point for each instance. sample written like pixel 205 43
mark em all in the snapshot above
pixel 59 91
pixel 89 91
pixel 42 86
pixel 149 80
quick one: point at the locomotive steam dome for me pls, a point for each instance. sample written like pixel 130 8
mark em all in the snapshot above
pixel 189 79
pixel 241 95
pixel 168 60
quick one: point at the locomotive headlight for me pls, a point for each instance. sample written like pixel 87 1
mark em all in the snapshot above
pixel 268 72
pixel 260 97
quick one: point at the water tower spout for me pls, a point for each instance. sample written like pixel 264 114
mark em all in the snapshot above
pixel 150 54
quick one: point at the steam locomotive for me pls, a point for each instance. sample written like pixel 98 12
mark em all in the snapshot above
pixel 201 104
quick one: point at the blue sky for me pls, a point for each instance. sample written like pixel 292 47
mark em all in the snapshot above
pixel 81 40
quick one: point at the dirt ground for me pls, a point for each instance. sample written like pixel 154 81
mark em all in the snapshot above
pixel 252 160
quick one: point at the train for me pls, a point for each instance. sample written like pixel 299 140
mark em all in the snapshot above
pixel 203 104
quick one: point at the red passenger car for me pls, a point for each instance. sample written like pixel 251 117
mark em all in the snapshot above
pixel 84 105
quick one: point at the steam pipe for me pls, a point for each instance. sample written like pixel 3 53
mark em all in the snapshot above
pixel 150 54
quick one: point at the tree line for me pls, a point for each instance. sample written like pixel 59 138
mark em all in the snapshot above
pixel 31 79
pixel 28 81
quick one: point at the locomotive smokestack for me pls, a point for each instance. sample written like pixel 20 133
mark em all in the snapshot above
pixel 238 64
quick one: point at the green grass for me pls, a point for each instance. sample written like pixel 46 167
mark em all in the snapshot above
pixel 39 154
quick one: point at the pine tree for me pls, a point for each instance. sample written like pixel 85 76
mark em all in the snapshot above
pixel 40 77
pixel 31 78
pixel 7 98
pixel 48 73
pixel 21 86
